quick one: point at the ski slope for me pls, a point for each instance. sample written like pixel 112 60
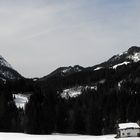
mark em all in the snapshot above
pixel 16 136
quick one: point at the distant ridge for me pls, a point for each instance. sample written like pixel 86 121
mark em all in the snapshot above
pixel 132 55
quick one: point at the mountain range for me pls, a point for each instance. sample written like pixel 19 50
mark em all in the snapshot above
pixel 132 55
pixel 83 100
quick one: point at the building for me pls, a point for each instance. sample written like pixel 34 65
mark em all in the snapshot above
pixel 128 130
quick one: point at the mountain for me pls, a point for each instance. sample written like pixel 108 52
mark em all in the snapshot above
pixel 64 71
pixel 7 72
pixel 90 100
pixel 73 80
pixel 132 55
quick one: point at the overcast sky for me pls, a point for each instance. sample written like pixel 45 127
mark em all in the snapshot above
pixel 38 36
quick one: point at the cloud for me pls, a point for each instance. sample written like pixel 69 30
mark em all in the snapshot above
pixel 38 36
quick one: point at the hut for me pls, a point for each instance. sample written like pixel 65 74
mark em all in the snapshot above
pixel 128 130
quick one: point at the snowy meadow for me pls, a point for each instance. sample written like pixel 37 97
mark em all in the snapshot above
pixel 17 136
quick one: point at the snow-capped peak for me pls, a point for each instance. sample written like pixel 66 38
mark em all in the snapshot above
pixel 135 57
pixel 4 63
pixel 129 56
pixel 6 71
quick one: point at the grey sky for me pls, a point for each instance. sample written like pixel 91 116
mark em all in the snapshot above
pixel 37 36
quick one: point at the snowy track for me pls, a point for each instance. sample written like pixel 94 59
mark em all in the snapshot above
pixel 16 136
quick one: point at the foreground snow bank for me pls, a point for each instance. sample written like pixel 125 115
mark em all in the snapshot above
pixel 16 136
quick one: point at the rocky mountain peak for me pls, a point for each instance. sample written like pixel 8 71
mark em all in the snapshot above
pixel 133 49
pixel 6 71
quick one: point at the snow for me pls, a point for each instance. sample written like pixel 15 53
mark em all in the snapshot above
pixel 66 70
pixel 35 79
pixel 135 57
pixel 71 92
pixel 7 74
pixel 16 136
pixel 98 68
pixel 124 63
pixel 3 62
pixel 122 53
pixel 93 87
pixel 20 100
pixel 128 125
pixel 120 83
pixel 75 91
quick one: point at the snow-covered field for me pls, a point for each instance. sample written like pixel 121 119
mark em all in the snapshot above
pixel 20 100
pixel 75 91
pixel 15 136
